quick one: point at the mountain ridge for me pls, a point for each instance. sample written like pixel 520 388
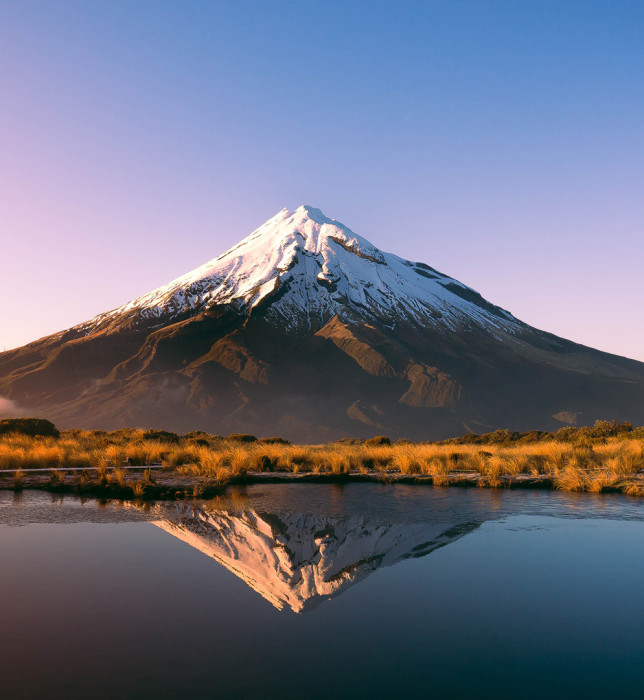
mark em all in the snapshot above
pixel 305 244
pixel 307 330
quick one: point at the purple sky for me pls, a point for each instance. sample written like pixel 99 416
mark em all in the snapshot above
pixel 500 142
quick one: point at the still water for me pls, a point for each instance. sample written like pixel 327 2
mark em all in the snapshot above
pixel 320 591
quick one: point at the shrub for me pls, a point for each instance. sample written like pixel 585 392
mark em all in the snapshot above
pixel 567 434
pixel 241 437
pixel 160 436
pixel 378 440
pixel 29 426
pixel 274 441
pixel 195 434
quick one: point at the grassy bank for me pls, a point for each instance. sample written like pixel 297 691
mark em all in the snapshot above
pixel 197 464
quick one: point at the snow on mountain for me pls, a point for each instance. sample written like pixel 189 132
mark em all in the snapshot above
pixel 307 331
pixel 307 266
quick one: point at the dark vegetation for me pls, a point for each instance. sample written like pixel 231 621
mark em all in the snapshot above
pixel 600 430
pixel 36 427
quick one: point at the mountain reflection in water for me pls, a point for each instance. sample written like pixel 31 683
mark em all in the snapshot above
pixel 540 599
pixel 297 560
pixel 298 545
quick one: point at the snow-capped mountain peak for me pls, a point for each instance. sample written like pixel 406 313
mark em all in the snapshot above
pixel 303 265
pixel 306 330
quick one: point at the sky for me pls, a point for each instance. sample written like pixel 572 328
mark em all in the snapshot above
pixel 500 142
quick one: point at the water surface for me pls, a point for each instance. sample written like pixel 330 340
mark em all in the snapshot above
pixel 305 590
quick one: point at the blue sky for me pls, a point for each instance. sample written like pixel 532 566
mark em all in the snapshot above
pixel 500 142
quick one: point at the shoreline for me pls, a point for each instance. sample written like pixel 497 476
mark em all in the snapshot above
pixel 168 485
pixel 156 465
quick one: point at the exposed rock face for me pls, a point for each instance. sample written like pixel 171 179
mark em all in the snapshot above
pixel 297 560
pixel 307 330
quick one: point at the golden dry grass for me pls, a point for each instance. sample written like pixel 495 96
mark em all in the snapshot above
pixel 604 465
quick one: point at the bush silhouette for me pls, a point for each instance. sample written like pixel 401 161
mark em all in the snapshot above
pixel 378 440
pixel 29 426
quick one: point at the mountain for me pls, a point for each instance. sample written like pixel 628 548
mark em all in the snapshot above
pixel 298 560
pixel 306 330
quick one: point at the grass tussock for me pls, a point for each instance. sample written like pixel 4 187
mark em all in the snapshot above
pixel 607 462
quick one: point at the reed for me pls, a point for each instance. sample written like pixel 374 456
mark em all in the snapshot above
pixel 605 463
pixel 18 482
pixel 118 476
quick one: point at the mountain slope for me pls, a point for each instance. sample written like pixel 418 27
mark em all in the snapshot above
pixel 307 330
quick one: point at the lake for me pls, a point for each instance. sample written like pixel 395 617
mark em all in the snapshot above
pixel 323 591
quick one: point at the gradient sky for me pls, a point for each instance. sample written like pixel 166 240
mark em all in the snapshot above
pixel 500 142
